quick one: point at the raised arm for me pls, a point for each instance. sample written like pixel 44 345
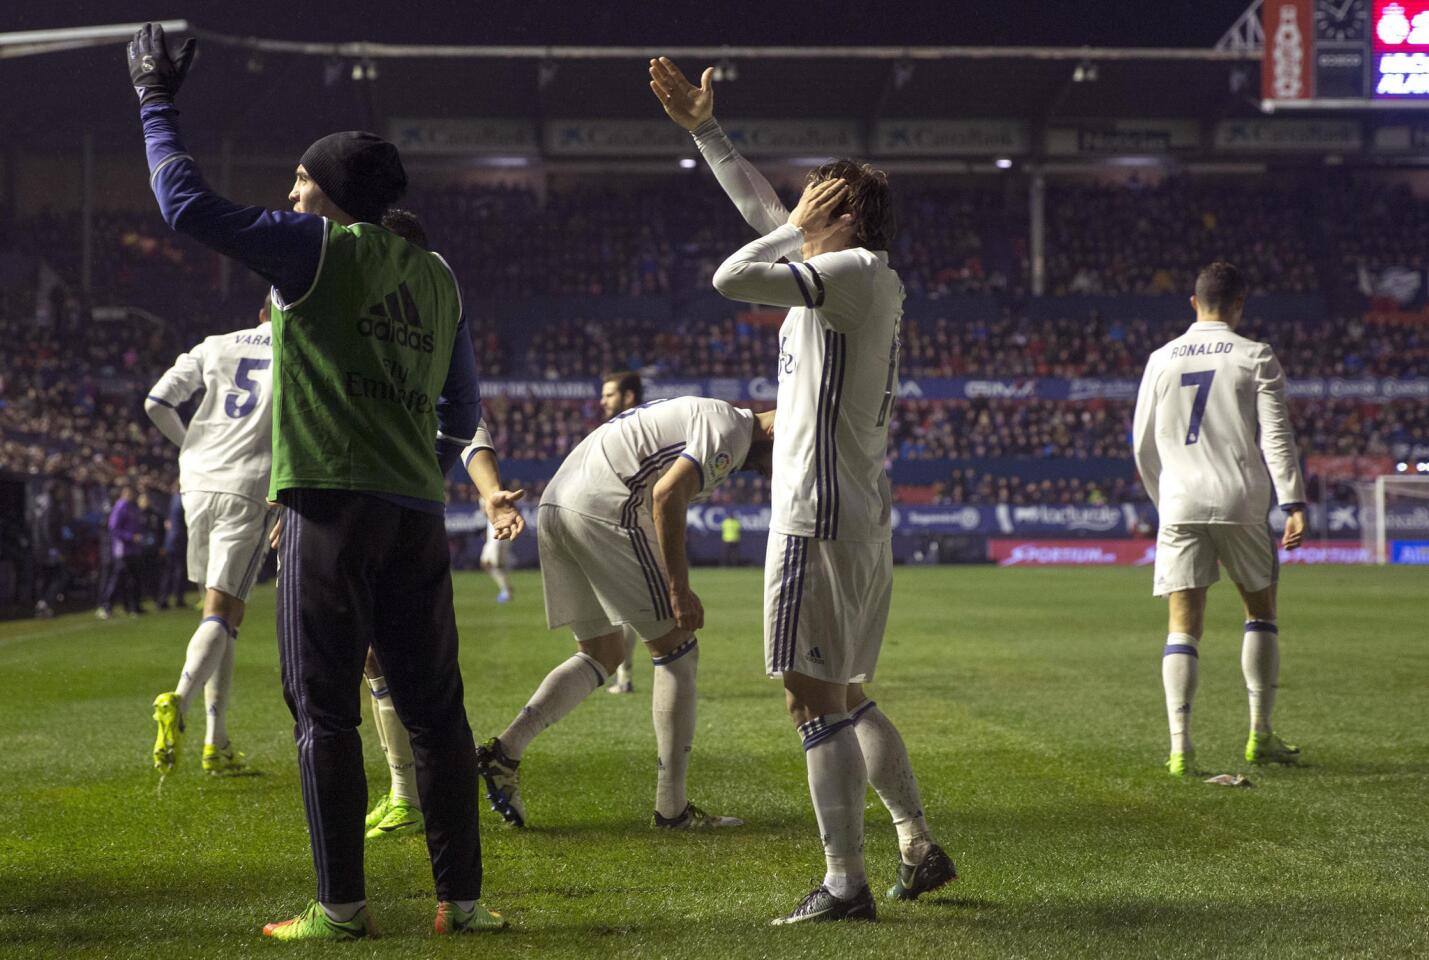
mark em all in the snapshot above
pixel 1143 433
pixel 692 107
pixel 282 247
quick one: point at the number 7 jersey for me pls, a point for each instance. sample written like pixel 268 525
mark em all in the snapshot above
pixel 1212 433
pixel 229 444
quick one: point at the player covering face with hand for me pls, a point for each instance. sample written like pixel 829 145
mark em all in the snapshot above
pixel 611 533
pixel 1213 443
pixel 829 571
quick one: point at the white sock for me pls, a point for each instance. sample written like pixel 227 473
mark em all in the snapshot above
pixel 672 707
pixel 396 742
pixel 215 695
pixel 206 649
pixel 503 582
pixel 891 774
pixel 560 693
pixel 625 671
pixel 341 912
pixel 377 688
pixel 1178 676
pixel 838 781
pixel 1260 662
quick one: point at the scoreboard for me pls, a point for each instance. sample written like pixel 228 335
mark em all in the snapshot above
pixel 1345 53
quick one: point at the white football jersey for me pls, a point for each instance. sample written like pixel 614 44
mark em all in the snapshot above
pixel 1212 433
pixel 838 360
pixel 611 474
pixel 229 444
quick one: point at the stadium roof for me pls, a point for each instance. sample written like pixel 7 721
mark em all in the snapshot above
pixel 259 95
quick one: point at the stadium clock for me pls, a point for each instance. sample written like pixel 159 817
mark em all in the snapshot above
pixel 1340 20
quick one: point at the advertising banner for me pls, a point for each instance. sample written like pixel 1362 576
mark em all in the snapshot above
pixel 1289 136
pixel 949 138
pixel 456 135
pixel 765 389
pixel 1071 553
pixel 1142 553
pixel 1285 72
pixel 1122 137
pixel 1400 58
pixel 1413 552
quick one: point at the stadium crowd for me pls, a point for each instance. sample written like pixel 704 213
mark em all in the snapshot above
pixel 70 405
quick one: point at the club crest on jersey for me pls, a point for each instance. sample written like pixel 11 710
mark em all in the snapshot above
pixel 720 464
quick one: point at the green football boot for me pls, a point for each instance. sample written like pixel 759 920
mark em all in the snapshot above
pixel 171 732
pixel 401 817
pixel 375 815
pixel 314 924
pixel 1269 748
pixel 1182 764
pixel 224 761
pixel 451 918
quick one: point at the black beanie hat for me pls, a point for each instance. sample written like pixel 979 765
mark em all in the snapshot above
pixel 359 171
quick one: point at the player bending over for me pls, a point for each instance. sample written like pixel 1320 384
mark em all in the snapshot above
pixel 620 391
pixel 225 455
pixel 829 572
pixel 1211 405
pixel 611 534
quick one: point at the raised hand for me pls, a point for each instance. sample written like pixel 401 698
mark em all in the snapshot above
pixel 686 104
pixel 817 209
pixel 504 516
pixel 154 73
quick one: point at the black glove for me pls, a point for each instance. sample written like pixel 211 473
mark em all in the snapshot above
pixel 157 76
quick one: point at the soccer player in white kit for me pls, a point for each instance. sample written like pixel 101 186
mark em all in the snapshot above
pixel 611 534
pixel 828 571
pixel 225 455
pixel 1213 443
pixel 496 561
pixel 619 392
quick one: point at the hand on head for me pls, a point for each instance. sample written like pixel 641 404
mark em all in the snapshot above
pixel 817 213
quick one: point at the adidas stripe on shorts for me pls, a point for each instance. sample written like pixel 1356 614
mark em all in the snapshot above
pixel 825 606
pixel 598 575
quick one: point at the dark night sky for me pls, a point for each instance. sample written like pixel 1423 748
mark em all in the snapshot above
pixel 1171 23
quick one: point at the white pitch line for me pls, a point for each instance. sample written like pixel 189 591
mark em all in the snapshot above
pixel 56 632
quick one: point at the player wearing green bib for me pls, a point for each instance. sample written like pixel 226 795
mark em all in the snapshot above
pixel 371 363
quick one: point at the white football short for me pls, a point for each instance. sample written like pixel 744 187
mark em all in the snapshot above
pixel 825 607
pixel 228 539
pixel 1187 556
pixel 496 553
pixel 598 576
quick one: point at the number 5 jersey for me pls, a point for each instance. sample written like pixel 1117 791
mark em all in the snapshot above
pixel 229 444
pixel 1212 433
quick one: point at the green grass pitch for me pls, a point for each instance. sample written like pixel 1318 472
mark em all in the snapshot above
pixel 1031 703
